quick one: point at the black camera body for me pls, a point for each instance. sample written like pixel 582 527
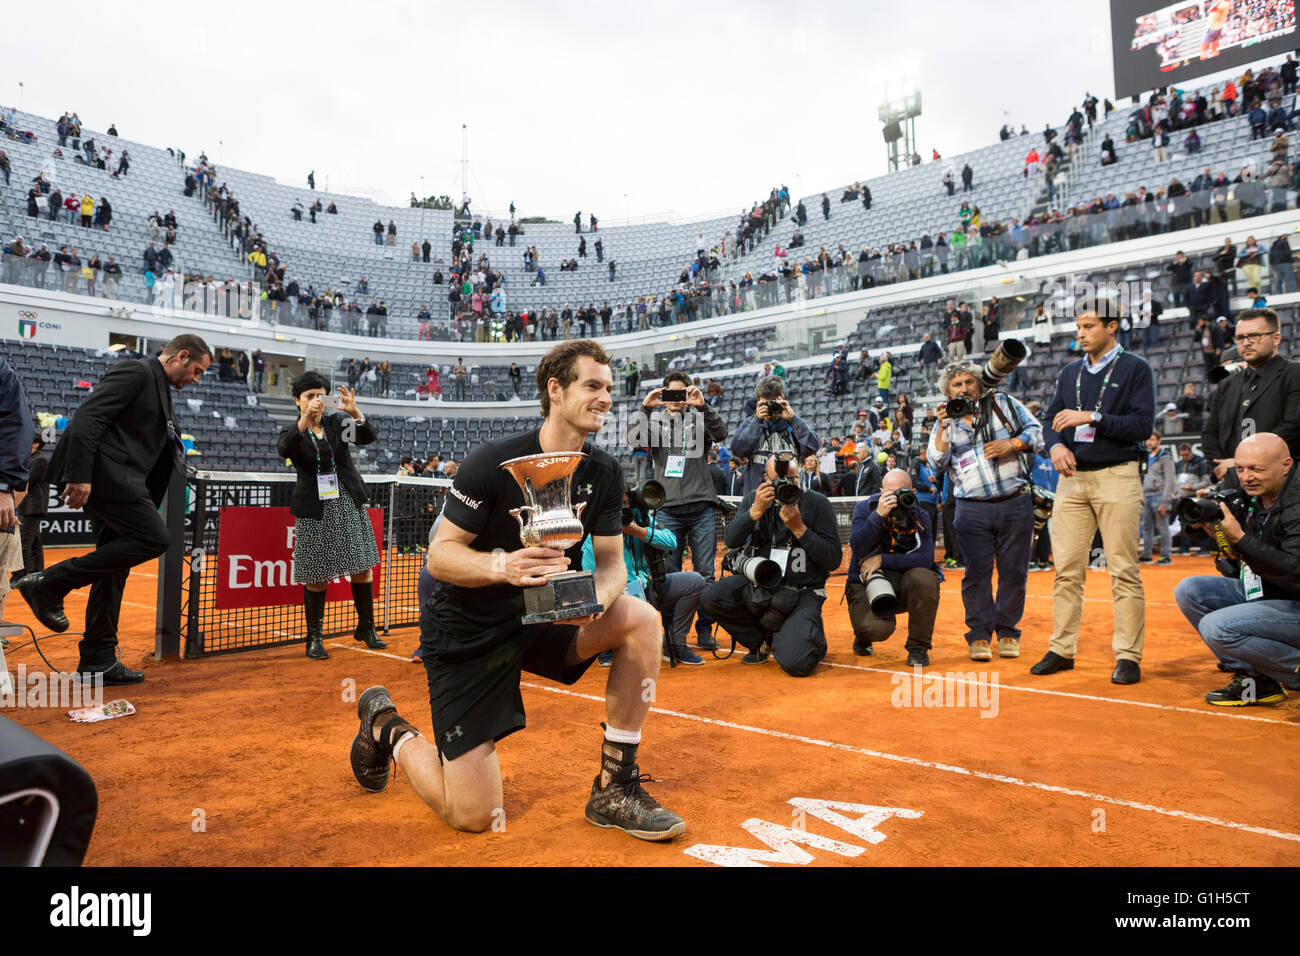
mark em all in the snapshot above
pixel 786 486
pixel 904 501
pixel 960 407
pixel 773 410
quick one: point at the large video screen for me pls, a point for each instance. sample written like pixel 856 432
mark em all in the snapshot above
pixel 1168 45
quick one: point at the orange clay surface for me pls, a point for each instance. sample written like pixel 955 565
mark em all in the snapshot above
pixel 1071 769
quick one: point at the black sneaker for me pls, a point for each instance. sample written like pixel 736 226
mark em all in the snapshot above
pixel 917 657
pixel 759 656
pixel 706 641
pixel 863 650
pixel 624 805
pixel 1247 691
pixel 371 759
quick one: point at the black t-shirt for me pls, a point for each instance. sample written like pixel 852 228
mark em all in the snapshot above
pixel 481 497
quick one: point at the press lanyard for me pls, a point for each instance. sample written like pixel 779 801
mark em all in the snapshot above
pixel 316 445
pixel 1078 383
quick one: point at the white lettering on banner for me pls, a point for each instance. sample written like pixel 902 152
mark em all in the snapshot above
pixel 288 534
pixel 233 580
pixel 781 841
pixel 270 567
pixel 264 573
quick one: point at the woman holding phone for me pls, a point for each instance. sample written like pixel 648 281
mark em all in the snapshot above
pixel 332 535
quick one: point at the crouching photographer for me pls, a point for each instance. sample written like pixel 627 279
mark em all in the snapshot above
pixel 782 545
pixel 891 569
pixel 1250 617
pixel 646 546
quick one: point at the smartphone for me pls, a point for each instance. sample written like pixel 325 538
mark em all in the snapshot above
pixel 673 395
pixel 330 401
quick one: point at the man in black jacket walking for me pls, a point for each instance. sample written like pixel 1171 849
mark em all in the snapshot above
pixel 115 460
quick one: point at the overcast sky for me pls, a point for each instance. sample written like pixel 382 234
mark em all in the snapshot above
pixel 656 109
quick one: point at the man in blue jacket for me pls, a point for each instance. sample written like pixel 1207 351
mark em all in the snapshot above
pixel 1102 410
pixel 677 593
pixel 773 428
pixel 898 544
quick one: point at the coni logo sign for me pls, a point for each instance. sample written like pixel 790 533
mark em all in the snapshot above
pixel 27 325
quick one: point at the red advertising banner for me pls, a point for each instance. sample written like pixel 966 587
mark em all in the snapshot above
pixel 255 559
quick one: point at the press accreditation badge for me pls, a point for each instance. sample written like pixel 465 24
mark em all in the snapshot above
pixel 635 589
pixel 1253 586
pixel 966 463
pixel 1085 434
pixel 675 466
pixel 327 486
pixel 781 556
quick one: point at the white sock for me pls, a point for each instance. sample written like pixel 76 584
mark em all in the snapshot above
pixel 616 736
pixel 397 747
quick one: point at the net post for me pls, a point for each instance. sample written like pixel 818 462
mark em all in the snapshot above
pixel 167 620
pixel 193 638
pixel 391 552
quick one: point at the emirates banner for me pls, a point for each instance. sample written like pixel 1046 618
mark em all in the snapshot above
pixel 255 559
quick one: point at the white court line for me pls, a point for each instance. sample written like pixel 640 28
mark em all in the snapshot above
pixel 1076 696
pixel 916 762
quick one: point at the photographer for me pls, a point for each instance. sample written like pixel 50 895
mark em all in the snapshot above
pixel 772 428
pixel 797 532
pixel 676 594
pixel 1263 397
pixel 984 444
pixel 1250 618
pixel 892 567
pixel 680 427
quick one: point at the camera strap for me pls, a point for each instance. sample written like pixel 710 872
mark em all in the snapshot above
pixel 1026 457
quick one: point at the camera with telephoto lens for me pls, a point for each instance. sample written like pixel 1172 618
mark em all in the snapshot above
pixel 773 410
pixel 759 571
pixel 785 485
pixel 1205 510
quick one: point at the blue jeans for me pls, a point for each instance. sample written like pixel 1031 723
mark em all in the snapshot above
pixel 701 528
pixel 1249 637
pixel 680 598
pixel 1000 533
pixel 1154 523
pixel 1150 336
pixel 379 238
pixel 1283 278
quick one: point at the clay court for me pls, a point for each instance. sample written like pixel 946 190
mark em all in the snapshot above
pixel 1067 770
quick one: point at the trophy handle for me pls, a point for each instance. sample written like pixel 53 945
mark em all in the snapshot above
pixel 577 509
pixel 520 518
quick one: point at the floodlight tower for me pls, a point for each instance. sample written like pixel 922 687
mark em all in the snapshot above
pixel 899 117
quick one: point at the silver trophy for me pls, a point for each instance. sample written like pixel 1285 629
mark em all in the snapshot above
pixel 552 523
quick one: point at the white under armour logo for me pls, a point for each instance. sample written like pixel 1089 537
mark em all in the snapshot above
pixel 584 489
pixel 453 733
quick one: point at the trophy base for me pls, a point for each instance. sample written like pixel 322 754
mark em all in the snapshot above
pixel 565 596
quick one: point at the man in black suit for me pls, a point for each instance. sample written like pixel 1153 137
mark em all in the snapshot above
pixel 1262 397
pixel 115 459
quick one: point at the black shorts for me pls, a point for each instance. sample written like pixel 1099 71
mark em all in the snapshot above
pixel 474 680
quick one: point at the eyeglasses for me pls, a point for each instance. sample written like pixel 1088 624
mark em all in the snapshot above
pixel 1252 338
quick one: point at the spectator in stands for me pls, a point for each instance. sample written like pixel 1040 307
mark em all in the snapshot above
pixel 71 272
pixel 929 357
pixel 461 373
pixel 1160 142
pixel 415 251
pixel 91 274
pixel 5 166
pixel 1108 155
pixel 1147 317
pixel 258 365
pixel 1281 271
pixel 104 214
pixel 112 275
pixel 1192 143
pixel 967 178
pixel 948 182
pixel 123 164
pixel 1250 261
pixel 884 377
pixel 392 233
pixel 1180 271
pixel 826 207
pixel 378 229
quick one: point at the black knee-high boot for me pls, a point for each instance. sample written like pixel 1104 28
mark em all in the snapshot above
pixel 363 596
pixel 313 606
